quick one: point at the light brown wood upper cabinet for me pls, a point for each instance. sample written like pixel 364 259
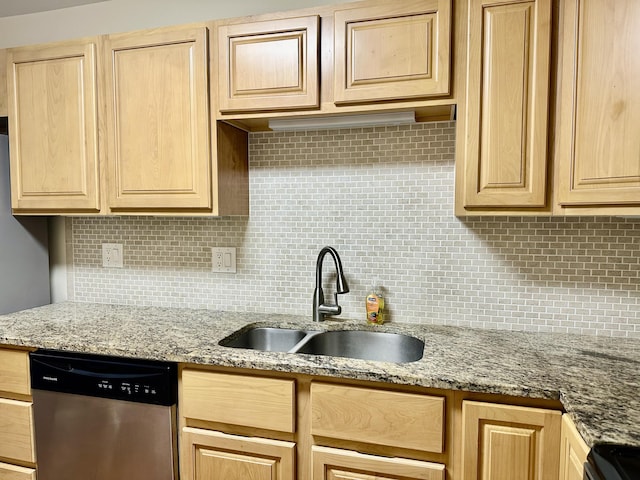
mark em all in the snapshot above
pixel 53 115
pixel 269 65
pixel 392 51
pixel 503 121
pixel 598 146
pixel 4 109
pixel 504 442
pixel 158 123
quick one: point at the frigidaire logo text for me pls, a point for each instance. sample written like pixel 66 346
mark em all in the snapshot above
pixel 51 379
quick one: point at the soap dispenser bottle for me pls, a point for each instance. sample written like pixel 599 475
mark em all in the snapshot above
pixel 375 306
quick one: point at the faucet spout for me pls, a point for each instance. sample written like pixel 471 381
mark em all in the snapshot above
pixel 320 309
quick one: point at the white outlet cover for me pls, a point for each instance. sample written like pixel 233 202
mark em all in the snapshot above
pixel 223 259
pixel 112 256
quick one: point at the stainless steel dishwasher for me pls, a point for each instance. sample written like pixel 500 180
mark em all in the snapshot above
pixel 103 418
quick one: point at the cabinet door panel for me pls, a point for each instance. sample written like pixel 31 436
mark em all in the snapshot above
pixel 16 427
pixel 391 52
pixel 269 65
pixel 503 442
pixel 335 464
pixel 507 104
pixel 158 113
pixel 209 455
pixel 53 127
pixel 599 146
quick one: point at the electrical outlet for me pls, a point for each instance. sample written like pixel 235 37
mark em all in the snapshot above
pixel 112 255
pixel 223 259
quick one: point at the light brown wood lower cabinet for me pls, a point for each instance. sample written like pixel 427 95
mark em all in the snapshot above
pixel 218 456
pixel 14 371
pixel 336 464
pixel 380 417
pixel 573 451
pixel 256 402
pixel 505 442
pixel 16 427
pixel 14 472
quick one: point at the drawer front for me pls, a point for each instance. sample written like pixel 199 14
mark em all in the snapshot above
pixel 257 402
pixel 380 417
pixel 13 472
pixel 16 430
pixel 14 371
pixel 335 464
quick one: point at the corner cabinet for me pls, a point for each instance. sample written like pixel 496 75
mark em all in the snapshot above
pixel 271 65
pixel 53 114
pixel 598 146
pixel 503 119
pixel 505 442
pixel 573 451
pixel 392 51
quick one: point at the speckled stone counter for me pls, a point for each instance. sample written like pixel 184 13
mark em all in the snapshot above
pixel 596 379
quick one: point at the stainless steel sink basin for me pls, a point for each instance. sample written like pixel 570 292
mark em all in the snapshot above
pixel 379 346
pixel 365 345
pixel 266 339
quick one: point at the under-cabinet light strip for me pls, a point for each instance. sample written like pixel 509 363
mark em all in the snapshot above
pixel 342 121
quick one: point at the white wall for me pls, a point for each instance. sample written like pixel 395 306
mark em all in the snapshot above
pixel 125 15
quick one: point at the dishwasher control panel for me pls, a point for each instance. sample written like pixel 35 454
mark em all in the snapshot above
pixel 135 380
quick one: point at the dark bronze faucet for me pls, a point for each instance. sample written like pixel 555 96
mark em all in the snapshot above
pixel 320 309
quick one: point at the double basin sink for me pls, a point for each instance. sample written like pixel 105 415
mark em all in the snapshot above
pixel 360 344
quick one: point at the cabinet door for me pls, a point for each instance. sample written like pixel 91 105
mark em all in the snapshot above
pixel 598 149
pixel 268 65
pixel 335 464
pixel 573 451
pixel 392 51
pixel 53 127
pixel 505 122
pixel 209 455
pixel 158 120
pixel 503 442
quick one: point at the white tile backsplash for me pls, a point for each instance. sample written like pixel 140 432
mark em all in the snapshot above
pixel 383 197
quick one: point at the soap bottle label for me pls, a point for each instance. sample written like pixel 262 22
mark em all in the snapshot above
pixel 375 309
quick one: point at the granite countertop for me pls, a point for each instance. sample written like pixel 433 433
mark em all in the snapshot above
pixel 597 379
